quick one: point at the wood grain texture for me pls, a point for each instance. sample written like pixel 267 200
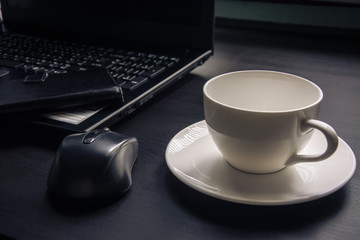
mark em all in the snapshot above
pixel 158 206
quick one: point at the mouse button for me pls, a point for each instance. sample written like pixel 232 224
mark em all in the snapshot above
pixel 76 160
pixel 118 177
pixel 94 134
pixel 118 144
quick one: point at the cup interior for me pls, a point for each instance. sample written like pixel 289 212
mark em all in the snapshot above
pixel 263 91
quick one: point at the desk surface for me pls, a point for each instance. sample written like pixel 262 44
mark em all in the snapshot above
pixel 159 206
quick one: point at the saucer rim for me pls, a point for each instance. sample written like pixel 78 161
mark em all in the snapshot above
pixel 260 202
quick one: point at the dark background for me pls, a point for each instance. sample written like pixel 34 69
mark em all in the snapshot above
pixel 159 206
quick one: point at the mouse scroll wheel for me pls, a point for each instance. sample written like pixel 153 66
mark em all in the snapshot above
pixel 94 134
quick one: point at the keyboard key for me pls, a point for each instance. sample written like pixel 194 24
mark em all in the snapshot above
pixel 119 82
pixel 153 72
pixel 128 77
pixel 35 78
pixel 168 63
pixel 37 69
pixel 37 56
pixel 138 71
pixel 135 83
pixel 145 66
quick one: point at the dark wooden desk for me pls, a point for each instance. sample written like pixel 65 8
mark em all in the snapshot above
pixel 158 205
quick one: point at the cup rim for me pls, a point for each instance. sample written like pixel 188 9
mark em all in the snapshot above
pixel 263 111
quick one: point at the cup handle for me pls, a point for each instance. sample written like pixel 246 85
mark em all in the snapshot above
pixel 331 138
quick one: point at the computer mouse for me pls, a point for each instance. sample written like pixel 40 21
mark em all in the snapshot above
pixel 93 165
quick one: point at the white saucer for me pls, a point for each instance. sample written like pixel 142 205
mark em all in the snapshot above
pixel 195 160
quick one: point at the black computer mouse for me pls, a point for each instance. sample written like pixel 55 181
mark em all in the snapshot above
pixel 93 165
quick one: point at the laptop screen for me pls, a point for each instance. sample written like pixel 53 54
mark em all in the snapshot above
pixel 156 10
pixel 156 21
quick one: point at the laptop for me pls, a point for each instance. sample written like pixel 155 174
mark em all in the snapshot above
pixel 144 47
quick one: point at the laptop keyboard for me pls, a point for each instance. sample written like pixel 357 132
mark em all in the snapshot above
pixel 43 57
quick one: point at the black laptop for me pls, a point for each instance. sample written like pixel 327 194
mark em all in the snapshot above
pixel 95 62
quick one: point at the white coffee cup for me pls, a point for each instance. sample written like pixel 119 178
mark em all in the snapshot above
pixel 261 120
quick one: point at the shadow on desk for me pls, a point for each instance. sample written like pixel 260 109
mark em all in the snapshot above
pixel 77 207
pixel 251 217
